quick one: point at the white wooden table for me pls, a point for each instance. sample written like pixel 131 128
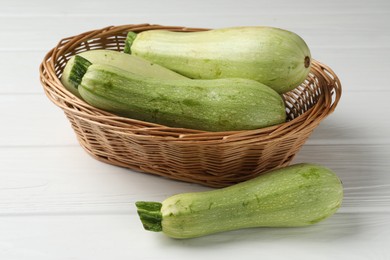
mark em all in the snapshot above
pixel 57 202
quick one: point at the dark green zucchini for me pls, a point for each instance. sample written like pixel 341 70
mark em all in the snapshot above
pixel 211 105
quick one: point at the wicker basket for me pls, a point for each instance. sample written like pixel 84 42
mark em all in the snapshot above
pixel 215 159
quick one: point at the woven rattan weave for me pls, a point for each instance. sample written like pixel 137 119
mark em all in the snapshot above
pixel 215 159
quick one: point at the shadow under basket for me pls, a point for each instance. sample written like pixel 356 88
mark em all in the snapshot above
pixel 215 159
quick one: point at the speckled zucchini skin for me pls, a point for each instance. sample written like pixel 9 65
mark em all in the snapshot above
pixel 121 60
pixel 211 105
pixel 277 58
pixel 298 195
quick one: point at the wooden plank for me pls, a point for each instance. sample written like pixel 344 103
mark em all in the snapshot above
pixel 22 75
pixel 359 69
pixel 33 120
pixel 323 30
pixel 66 180
pixel 121 236
pixel 358 119
pixel 88 207
pixel 175 7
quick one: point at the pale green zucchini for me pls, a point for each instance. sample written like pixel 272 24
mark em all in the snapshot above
pixel 277 58
pixel 126 62
pixel 298 195
pixel 211 105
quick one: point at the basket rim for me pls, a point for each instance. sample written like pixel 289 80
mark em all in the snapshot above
pixel 69 103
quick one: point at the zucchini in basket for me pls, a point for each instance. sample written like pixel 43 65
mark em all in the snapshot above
pixel 126 62
pixel 211 105
pixel 277 58
pixel 298 195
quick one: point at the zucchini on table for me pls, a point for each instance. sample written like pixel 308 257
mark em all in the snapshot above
pixel 211 105
pixel 298 195
pixel 277 58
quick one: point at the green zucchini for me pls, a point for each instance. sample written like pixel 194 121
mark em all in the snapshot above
pixel 277 58
pixel 211 105
pixel 298 195
pixel 126 62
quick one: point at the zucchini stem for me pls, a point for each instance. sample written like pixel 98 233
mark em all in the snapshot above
pixel 129 41
pixel 150 215
pixel 78 70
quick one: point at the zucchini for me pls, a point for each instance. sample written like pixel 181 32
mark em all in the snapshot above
pixel 277 58
pixel 126 62
pixel 298 195
pixel 211 105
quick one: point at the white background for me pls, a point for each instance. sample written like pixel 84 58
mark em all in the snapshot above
pixel 57 202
